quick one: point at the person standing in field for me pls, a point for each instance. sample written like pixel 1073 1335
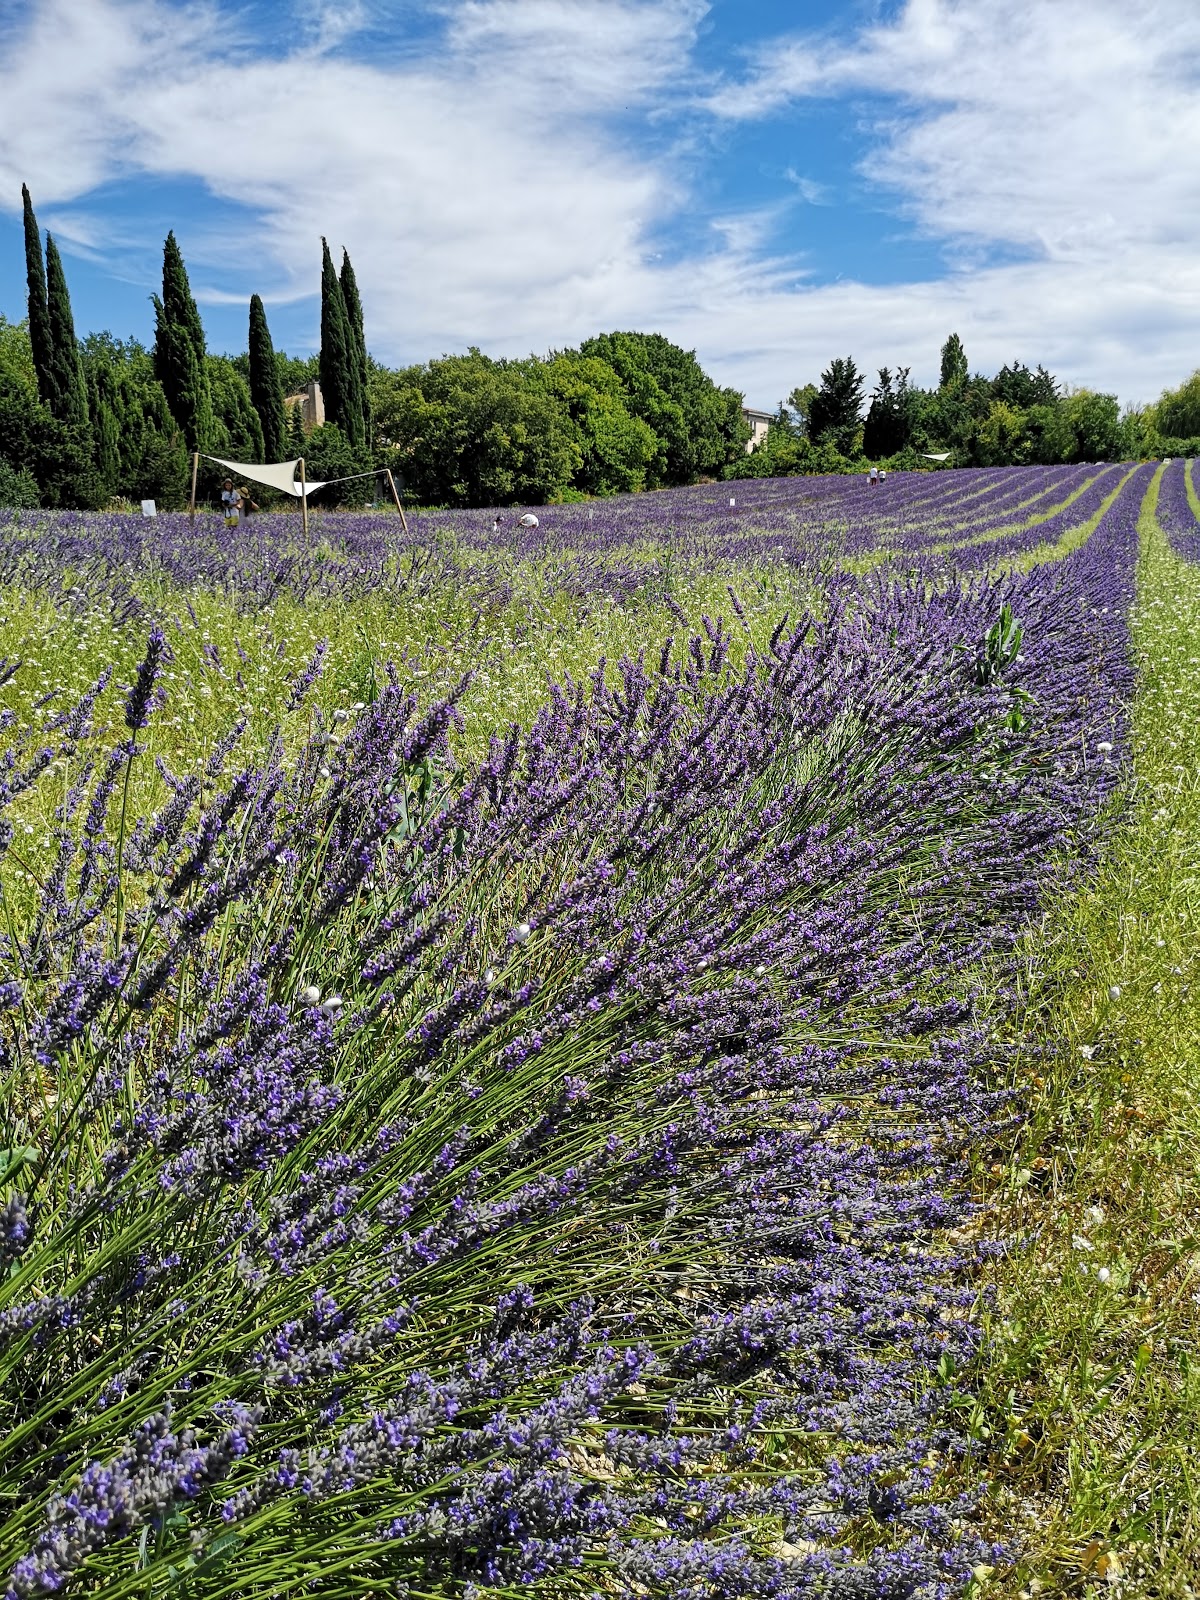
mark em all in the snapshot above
pixel 229 503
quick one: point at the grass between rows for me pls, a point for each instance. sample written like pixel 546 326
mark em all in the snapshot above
pixel 1091 1397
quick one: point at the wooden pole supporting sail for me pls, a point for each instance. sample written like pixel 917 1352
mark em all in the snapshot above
pixel 304 496
pixel 396 498
pixel 192 501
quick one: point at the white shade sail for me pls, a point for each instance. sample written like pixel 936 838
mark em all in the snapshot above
pixel 281 476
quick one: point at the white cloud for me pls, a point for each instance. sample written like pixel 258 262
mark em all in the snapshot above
pixel 809 190
pixel 1059 128
pixel 491 189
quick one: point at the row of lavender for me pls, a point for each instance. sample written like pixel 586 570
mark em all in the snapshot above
pixel 1175 514
pixel 615 547
pixel 428 1180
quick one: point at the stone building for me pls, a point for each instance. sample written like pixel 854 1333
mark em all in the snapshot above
pixel 311 403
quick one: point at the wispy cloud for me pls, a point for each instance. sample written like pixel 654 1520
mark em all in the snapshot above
pixel 809 190
pixel 515 181
pixel 1054 128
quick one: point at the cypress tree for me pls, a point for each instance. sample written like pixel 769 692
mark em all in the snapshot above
pixel 295 431
pixel 266 391
pixel 39 316
pixel 954 370
pixel 237 424
pixel 179 353
pixel 358 339
pixel 338 388
pixel 68 390
pixel 106 432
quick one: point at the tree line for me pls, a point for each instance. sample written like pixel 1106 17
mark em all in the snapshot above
pixel 101 421
pixel 98 421
pixel 1022 416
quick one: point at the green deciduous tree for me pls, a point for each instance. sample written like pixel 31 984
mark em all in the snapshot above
pixel 68 392
pixel 836 408
pixel 1096 420
pixel 329 454
pixel 613 449
pixel 799 405
pixel 699 426
pixel 470 431
pixel 39 316
pixel 1000 435
pixel 16 356
pixel 179 353
pixel 1176 414
pixel 266 391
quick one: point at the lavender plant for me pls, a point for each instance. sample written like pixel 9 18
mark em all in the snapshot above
pixel 437 1176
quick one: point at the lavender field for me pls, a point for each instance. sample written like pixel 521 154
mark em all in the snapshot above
pixel 505 1031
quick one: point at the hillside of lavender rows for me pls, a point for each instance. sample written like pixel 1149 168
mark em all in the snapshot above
pixel 543 1169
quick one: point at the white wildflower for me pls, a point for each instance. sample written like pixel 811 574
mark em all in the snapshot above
pixel 1087 1051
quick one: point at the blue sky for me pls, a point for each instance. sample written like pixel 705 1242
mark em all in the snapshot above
pixel 770 183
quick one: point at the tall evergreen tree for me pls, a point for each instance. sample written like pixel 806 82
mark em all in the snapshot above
pixel 39 316
pixel 295 431
pixel 338 388
pixel 179 352
pixel 106 432
pixel 954 363
pixel 358 339
pixel 68 390
pixel 266 391
pixel 834 413
pixel 237 428
pixel 888 427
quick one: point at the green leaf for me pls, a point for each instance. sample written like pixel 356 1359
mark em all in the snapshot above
pixel 14 1158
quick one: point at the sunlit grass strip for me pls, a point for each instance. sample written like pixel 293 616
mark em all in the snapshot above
pixel 1092 1397
pixel 1019 524
pixel 1071 540
pixel 885 554
pixel 227 666
pixel 1189 479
